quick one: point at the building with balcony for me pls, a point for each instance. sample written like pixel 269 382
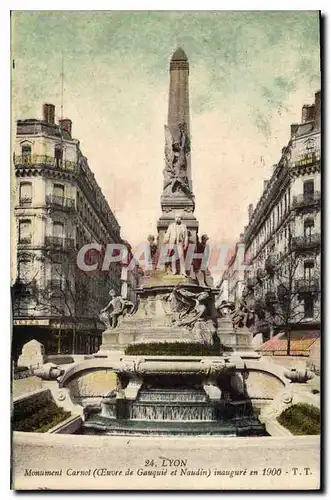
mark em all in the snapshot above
pixel 58 207
pixel 130 276
pixel 283 236
pixel 232 282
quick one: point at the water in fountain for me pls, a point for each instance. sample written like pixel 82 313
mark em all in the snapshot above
pixel 184 396
pixel 172 412
pixel 168 405
pixel 178 409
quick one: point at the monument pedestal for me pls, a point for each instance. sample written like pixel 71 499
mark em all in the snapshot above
pixel 33 354
pixel 110 342
pixel 239 340
pixel 177 204
pixel 168 312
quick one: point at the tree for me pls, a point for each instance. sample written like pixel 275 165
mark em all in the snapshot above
pixel 284 293
pixel 70 295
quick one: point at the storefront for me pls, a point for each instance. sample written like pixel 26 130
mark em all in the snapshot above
pixel 57 338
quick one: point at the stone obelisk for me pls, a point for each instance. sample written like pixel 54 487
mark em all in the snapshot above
pixel 177 198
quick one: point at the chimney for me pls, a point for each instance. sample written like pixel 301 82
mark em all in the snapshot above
pixel 49 113
pixel 250 211
pixel 308 113
pixel 66 124
pixel 318 110
pixel 294 128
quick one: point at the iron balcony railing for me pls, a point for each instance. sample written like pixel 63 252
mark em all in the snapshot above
pixel 25 289
pixel 270 263
pixel 308 159
pixel 306 285
pixel 44 160
pixel 25 200
pixel 55 284
pixel 250 283
pixel 307 199
pixel 283 293
pixel 270 297
pixel 25 240
pixel 59 242
pixel 60 201
pixel 305 242
pixel 260 274
pixel 259 304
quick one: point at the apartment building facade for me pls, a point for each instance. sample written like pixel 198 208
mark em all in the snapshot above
pixel 232 283
pixel 283 236
pixel 58 208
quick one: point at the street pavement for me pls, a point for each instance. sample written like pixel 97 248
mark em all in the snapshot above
pixel 164 463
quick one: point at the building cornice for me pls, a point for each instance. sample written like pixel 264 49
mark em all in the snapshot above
pixel 109 227
pixel 43 171
pixel 280 173
pixel 42 135
pixel 267 202
pixel 297 137
pixel 310 169
pixel 41 128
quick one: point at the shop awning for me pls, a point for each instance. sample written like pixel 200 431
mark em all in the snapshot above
pixel 301 342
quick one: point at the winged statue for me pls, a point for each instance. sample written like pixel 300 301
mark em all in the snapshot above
pixel 187 307
pixel 175 153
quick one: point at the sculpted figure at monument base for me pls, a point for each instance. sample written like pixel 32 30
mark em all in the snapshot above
pixel 176 238
pixel 115 308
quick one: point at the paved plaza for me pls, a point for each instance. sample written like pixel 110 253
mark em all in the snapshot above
pixel 125 462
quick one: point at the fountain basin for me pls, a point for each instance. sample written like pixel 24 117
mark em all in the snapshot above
pixel 244 427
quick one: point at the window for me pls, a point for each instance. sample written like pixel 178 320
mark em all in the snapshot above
pixel 310 145
pixel 309 307
pixel 287 239
pixel 56 283
pixel 308 190
pixel 58 194
pixel 58 229
pixel 308 225
pixel 25 193
pixel 58 155
pixel 24 270
pixel 26 153
pixel 25 233
pixel 58 190
pixel 309 270
pixel 56 270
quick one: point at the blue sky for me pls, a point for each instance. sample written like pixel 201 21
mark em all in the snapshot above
pixel 250 73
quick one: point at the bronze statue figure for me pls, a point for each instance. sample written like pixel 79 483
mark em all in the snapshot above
pixel 115 308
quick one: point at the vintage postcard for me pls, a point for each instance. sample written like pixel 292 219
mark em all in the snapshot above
pixel 166 250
